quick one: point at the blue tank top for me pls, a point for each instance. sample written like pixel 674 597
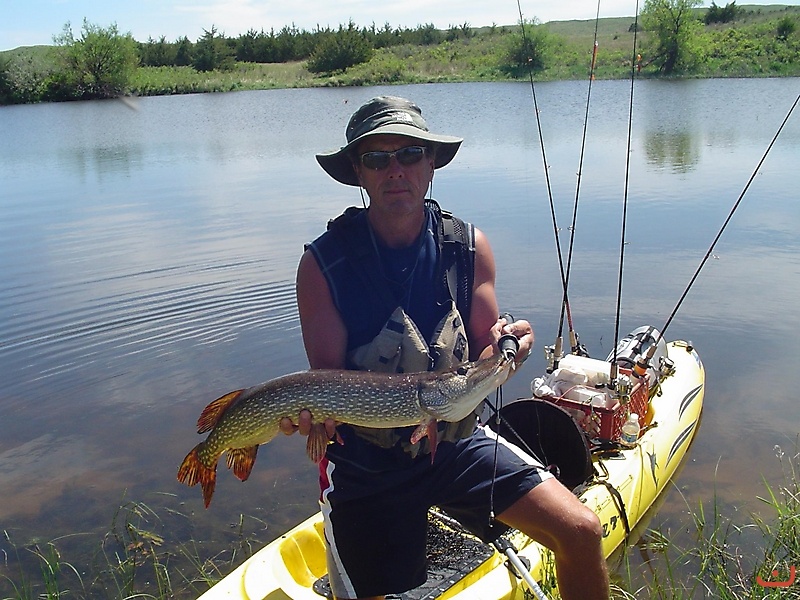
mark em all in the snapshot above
pixel 368 280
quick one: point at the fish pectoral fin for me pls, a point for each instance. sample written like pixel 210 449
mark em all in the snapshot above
pixel 241 461
pixel 211 414
pixel 428 429
pixel 192 471
pixel 317 442
pixel 424 429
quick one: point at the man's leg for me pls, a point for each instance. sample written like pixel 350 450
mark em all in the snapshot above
pixel 554 517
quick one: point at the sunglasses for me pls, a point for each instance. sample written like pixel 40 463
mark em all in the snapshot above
pixel 378 160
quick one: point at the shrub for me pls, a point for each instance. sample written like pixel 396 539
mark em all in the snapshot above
pixel 339 51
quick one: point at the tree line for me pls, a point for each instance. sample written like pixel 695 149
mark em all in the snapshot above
pixel 214 50
pixel 99 61
pixel 677 39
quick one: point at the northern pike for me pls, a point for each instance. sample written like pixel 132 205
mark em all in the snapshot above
pixel 241 420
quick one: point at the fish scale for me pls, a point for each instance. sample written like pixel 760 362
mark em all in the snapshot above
pixel 238 422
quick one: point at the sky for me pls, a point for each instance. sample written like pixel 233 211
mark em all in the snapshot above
pixel 35 22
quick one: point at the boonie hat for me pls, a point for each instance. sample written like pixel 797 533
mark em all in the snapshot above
pixel 381 116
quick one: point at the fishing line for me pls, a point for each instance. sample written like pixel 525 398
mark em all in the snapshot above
pixel 625 199
pixel 498 408
pixel 730 216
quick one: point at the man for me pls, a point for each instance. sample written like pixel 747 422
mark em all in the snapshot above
pixel 405 286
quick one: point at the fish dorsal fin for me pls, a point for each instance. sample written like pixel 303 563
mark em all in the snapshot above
pixel 241 461
pixel 212 413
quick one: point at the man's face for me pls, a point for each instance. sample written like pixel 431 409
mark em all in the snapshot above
pixel 397 187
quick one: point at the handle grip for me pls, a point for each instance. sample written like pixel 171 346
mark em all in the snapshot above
pixel 508 344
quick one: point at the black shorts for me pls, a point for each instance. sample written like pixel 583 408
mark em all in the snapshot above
pixel 376 521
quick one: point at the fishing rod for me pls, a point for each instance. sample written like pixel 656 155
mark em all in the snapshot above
pixel 554 352
pixel 575 345
pixel 626 187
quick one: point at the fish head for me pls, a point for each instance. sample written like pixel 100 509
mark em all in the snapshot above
pixel 453 395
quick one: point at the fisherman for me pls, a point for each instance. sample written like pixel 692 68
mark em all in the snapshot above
pixel 404 286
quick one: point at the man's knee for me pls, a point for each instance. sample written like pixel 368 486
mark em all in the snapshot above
pixel 585 532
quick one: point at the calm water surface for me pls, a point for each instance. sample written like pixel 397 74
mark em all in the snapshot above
pixel 148 253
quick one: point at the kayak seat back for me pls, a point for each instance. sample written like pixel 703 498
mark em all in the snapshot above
pixel 548 433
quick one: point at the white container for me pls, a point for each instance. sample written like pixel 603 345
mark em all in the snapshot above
pixel 630 431
pixel 597 398
pixel 598 372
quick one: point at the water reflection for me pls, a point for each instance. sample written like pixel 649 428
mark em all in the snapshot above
pixel 678 150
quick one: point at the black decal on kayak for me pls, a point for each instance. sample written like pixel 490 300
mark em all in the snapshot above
pixel 687 400
pixel 682 437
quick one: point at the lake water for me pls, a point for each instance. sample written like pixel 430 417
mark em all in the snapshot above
pixel 148 252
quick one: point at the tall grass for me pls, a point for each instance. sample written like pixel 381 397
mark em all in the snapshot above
pixel 141 556
pixel 723 559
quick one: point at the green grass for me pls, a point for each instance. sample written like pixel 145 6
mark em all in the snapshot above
pixel 720 557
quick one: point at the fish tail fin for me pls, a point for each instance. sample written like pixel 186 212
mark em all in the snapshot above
pixel 192 471
pixel 241 461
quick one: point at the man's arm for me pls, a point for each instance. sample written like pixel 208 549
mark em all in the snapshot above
pixel 324 335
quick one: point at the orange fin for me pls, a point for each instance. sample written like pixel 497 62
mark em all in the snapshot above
pixel 422 430
pixel 192 471
pixel 241 460
pixel 427 429
pixel 212 413
pixel 317 442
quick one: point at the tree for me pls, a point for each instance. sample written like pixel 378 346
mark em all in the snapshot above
pixel 340 50
pixel 7 91
pixel 183 52
pixel 100 63
pixel 676 29
pixel 213 52
pixel 786 27
pixel 529 47
pixel 716 14
pixel 157 53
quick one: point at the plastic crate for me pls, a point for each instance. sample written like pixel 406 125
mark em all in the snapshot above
pixel 606 423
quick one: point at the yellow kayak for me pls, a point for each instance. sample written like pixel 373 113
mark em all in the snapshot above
pixel 625 483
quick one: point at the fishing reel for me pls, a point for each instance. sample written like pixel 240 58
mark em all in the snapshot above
pixel 508 343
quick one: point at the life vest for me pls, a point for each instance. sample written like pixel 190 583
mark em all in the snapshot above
pixel 382 336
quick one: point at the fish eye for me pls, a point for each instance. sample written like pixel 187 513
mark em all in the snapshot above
pixel 463 370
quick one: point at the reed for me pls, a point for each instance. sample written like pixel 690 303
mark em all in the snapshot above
pixel 722 559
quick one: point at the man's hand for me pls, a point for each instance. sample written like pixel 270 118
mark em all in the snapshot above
pixel 521 330
pixel 319 434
